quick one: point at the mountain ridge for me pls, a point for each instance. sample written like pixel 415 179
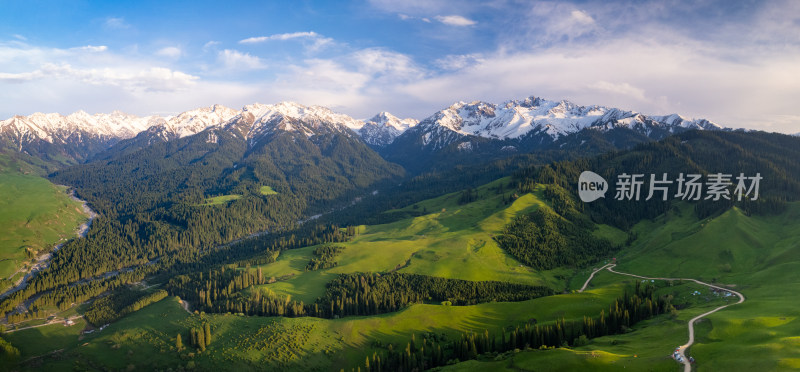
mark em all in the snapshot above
pixel 515 125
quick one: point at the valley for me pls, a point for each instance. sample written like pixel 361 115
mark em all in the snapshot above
pixel 290 243
pixel 399 186
pixel 37 217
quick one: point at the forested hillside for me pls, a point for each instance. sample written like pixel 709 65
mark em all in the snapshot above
pixel 773 156
pixel 174 200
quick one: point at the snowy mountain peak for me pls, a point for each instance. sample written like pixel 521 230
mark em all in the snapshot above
pixel 192 122
pixel 259 119
pixel 386 119
pixel 383 128
pixel 56 127
pixel 534 116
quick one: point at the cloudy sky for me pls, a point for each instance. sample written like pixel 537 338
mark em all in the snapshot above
pixel 736 63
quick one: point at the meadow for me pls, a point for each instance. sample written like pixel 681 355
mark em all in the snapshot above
pixel 35 215
pixel 758 255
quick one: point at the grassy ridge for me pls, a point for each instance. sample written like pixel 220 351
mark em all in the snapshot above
pixel 34 215
pixel 451 241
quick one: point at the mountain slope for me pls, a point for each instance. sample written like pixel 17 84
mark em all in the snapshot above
pixel 161 191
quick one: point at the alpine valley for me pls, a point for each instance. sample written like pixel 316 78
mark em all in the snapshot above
pixel 293 237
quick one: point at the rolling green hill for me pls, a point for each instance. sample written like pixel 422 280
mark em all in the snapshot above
pixel 312 343
pixel 34 216
pixel 453 241
pixel 749 246
pixel 758 256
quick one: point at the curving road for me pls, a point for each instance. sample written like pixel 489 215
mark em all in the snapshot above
pixel 592 276
pixel 687 366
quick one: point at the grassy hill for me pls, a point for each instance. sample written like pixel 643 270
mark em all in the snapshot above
pixel 34 216
pixel 757 255
pixel 447 239
pixel 442 237
pixel 451 240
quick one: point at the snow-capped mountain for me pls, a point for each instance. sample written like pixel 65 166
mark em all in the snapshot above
pixel 477 127
pixel 192 122
pixel 383 128
pixel 55 128
pixel 258 120
pixel 79 136
pixel 72 138
pixel 532 116
pixel 163 129
pixel 481 130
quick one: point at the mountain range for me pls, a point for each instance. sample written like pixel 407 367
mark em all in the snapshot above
pixel 478 128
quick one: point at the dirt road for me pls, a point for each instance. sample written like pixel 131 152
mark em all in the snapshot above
pixel 52 322
pixel 687 366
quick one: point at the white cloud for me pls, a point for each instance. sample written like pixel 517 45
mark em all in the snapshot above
pixel 68 74
pixel 618 88
pixel 20 37
pixel 236 60
pixel 93 48
pixel 455 20
pixel 151 79
pixel 581 17
pixel 385 63
pixel 170 52
pixel 116 23
pixel 287 36
pixel 459 61
pixel 210 44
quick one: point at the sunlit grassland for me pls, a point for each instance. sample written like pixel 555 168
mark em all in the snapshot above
pixel 35 215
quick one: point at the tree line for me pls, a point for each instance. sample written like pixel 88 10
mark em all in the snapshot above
pixel 107 309
pixel 226 291
pixel 635 305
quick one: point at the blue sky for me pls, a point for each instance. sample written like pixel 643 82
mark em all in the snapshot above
pixel 736 63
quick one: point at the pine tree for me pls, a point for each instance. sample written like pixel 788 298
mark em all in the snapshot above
pixel 193 337
pixel 179 342
pixel 207 333
pixel 201 342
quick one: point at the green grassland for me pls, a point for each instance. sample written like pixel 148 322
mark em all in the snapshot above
pixel 453 241
pixel 225 199
pixel 267 190
pixel 222 199
pixel 34 215
pixel 759 255
pixel 257 343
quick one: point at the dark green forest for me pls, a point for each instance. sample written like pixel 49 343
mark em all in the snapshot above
pixel 225 291
pixel 433 350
